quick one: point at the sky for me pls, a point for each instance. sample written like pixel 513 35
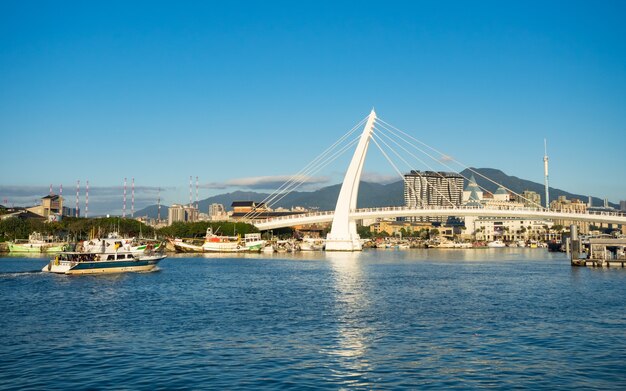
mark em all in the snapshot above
pixel 243 94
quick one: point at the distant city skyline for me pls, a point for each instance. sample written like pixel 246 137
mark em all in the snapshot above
pixel 244 95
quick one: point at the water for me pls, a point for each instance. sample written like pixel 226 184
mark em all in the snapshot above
pixel 497 318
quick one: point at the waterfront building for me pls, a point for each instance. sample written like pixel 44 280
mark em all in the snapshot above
pixel 472 191
pixel 570 206
pixel 51 207
pixel 508 229
pixel 432 189
pixel 394 228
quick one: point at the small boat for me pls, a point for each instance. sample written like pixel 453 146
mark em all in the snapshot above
pixel 183 247
pixel 312 244
pixel 99 263
pixel 217 243
pixel 496 244
pixel 253 242
pixel 37 243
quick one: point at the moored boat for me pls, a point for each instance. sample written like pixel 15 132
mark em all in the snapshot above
pixel 312 244
pixel 496 244
pixel 253 242
pixel 217 243
pixel 37 243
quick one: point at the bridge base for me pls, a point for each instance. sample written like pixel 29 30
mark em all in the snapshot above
pixel 339 244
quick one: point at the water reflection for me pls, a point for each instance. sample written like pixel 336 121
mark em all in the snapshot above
pixel 351 306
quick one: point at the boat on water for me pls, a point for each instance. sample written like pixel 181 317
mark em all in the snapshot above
pixel 496 244
pixel 453 245
pixel 38 243
pixel 100 263
pixel 218 243
pixel 253 242
pixel 185 247
pixel 312 244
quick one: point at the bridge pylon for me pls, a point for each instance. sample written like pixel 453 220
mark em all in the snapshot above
pixel 343 235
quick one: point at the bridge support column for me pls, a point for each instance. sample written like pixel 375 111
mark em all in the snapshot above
pixel 343 235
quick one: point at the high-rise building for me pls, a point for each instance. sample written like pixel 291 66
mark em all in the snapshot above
pixel 217 212
pixel 622 206
pixel 185 213
pixel 175 213
pixel 429 188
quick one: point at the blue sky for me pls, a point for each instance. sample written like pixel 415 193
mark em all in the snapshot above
pixel 233 91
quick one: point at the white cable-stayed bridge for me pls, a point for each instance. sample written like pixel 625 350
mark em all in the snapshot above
pixel 444 202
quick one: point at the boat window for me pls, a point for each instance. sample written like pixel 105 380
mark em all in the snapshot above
pixel 110 257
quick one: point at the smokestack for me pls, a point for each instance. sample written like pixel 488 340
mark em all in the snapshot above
pixel 124 207
pixel 590 202
pixel 87 200
pixel 132 199
pixel 159 206
pixel 77 195
pixel 545 172
pixel 196 192
pixel 190 196
pixel 606 202
pixel 50 189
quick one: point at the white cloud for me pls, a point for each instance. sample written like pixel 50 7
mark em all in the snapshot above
pixel 376 177
pixel 272 182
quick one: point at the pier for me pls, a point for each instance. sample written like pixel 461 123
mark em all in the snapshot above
pixel 597 252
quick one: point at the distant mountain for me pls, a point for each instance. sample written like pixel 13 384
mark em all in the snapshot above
pixel 371 195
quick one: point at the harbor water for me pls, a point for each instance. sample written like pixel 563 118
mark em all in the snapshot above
pixel 378 319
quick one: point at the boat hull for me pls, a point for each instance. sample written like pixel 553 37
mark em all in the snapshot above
pixel 102 267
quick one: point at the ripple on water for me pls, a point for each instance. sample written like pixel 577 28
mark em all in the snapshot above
pixel 402 319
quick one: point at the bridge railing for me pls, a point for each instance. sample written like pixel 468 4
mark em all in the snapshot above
pixel 451 208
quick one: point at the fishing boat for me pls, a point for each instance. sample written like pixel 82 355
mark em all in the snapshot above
pixel 185 247
pixel 99 262
pixel 37 243
pixel 218 243
pixel 253 242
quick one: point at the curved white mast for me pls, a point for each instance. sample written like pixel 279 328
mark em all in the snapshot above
pixel 343 235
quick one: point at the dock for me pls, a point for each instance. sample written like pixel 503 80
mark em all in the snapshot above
pixel 597 252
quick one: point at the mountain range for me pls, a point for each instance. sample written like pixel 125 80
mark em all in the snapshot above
pixel 371 195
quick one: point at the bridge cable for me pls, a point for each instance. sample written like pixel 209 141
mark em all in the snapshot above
pixel 417 172
pixel 288 183
pixel 421 176
pixel 459 163
pixel 275 199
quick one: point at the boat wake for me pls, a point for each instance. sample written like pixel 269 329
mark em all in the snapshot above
pixel 18 274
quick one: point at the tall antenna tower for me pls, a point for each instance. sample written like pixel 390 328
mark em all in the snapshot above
pixel 50 189
pixel 77 195
pixel 87 200
pixel 545 172
pixel 124 207
pixel 132 199
pixel 196 192
pixel 159 206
